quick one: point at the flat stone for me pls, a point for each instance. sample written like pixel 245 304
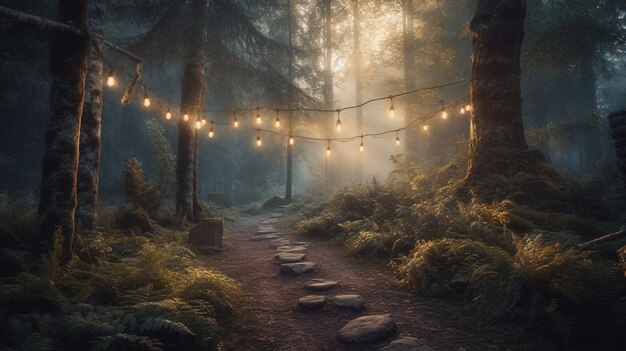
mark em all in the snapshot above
pixel 312 302
pixel 291 249
pixel 320 284
pixel 266 230
pixel 407 343
pixel 286 257
pixel 270 221
pixel 279 242
pixel 296 268
pixel 354 302
pixel 368 329
pixel 276 215
pixel 265 237
pixel 300 243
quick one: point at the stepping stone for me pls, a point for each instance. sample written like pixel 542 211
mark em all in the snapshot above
pixel 368 329
pixel 296 268
pixel 266 237
pixel 261 231
pixel 300 243
pixel 276 215
pixel 407 343
pixel 353 302
pixel 312 302
pixel 270 221
pixel 320 284
pixel 279 242
pixel 291 249
pixel 286 257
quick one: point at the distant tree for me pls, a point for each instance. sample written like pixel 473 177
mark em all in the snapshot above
pixel 68 67
pixel 497 130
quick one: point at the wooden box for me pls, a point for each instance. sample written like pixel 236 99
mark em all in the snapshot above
pixel 207 233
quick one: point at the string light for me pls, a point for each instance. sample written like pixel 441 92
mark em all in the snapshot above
pixel 168 114
pixel 235 120
pixel 328 149
pixel 211 131
pixel 258 116
pixel 398 138
pixel 361 146
pixel 258 138
pixel 146 99
pixel 392 109
pixel 110 79
pixel 444 113
pixel 338 124
pixel 277 119
pixel 198 124
pixel 291 140
pixel 186 117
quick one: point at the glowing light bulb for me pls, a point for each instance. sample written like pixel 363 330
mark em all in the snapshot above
pixel 392 111
pixel 211 131
pixel 185 117
pixel 236 122
pixel 338 123
pixel 291 141
pixel 277 122
pixel 111 79
pixel 468 107
pixel 258 117
pixel 397 140
pixel 425 127
pixel 462 110
pixel 198 124
pixel 328 151
pixel 204 122
pixel 168 114
pixel 361 147
pixel 146 101
pixel 258 140
pixel 444 114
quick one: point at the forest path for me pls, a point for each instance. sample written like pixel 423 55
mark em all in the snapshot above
pixel 272 299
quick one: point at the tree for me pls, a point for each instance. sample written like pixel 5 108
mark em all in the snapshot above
pixel 68 67
pixel 358 80
pixel 91 123
pixel 497 130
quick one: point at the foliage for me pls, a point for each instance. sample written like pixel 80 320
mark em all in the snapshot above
pixel 120 293
pixel 141 193
pixel 164 158
pixel 17 222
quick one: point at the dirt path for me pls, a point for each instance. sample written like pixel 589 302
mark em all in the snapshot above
pixel 272 298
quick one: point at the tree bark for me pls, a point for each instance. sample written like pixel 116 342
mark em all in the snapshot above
pixel 328 55
pixel 591 137
pixel 497 129
pixel 408 40
pixel 68 67
pixel 289 178
pixel 358 79
pixel 191 100
pixel 91 123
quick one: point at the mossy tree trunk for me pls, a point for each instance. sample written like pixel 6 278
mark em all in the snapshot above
pixel 191 100
pixel 497 129
pixel 91 123
pixel 358 79
pixel 68 68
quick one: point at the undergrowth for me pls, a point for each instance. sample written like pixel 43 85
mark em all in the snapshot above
pixel 503 247
pixel 121 292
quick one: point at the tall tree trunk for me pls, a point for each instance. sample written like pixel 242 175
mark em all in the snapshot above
pixel 68 67
pixel 91 123
pixel 408 41
pixel 358 79
pixel 191 100
pixel 289 179
pixel 329 94
pixel 497 129
pixel 197 208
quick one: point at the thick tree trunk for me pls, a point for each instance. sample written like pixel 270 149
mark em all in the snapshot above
pixel 358 79
pixel 497 129
pixel 408 41
pixel 329 94
pixel 91 123
pixel 191 100
pixel 68 67
pixel 592 146
pixel 289 178
pixel 197 208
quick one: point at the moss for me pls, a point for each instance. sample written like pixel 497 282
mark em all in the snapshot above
pixel 274 202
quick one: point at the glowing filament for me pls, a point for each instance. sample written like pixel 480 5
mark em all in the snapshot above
pixel 328 150
pixel 168 114
pixel 211 131
pixel 392 109
pixel 425 127
pixel 111 79
pixel 397 139
pixel 236 122
pixel 277 122
pixel 146 100
pixel 258 117
pixel 258 138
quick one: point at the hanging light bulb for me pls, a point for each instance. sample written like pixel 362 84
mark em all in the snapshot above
pixel 236 122
pixel 186 117
pixel 392 109
pixel 468 107
pixel 397 138
pixel 204 121
pixel 198 124
pixel 277 119
pixel 258 138
pixel 211 131
pixel 291 141
pixel 425 127
pixel 168 114
pixel 258 116
pixel 338 123
pixel 444 113
pixel 463 110
pixel 361 146
pixel 328 149
pixel 146 100
pixel 110 79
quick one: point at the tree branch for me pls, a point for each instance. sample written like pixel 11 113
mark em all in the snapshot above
pixel 39 22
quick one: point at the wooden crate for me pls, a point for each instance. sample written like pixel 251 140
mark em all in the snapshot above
pixel 208 232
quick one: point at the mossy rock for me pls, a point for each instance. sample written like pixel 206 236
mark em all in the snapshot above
pixel 274 202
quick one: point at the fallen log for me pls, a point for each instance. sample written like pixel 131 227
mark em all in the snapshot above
pixel 603 239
